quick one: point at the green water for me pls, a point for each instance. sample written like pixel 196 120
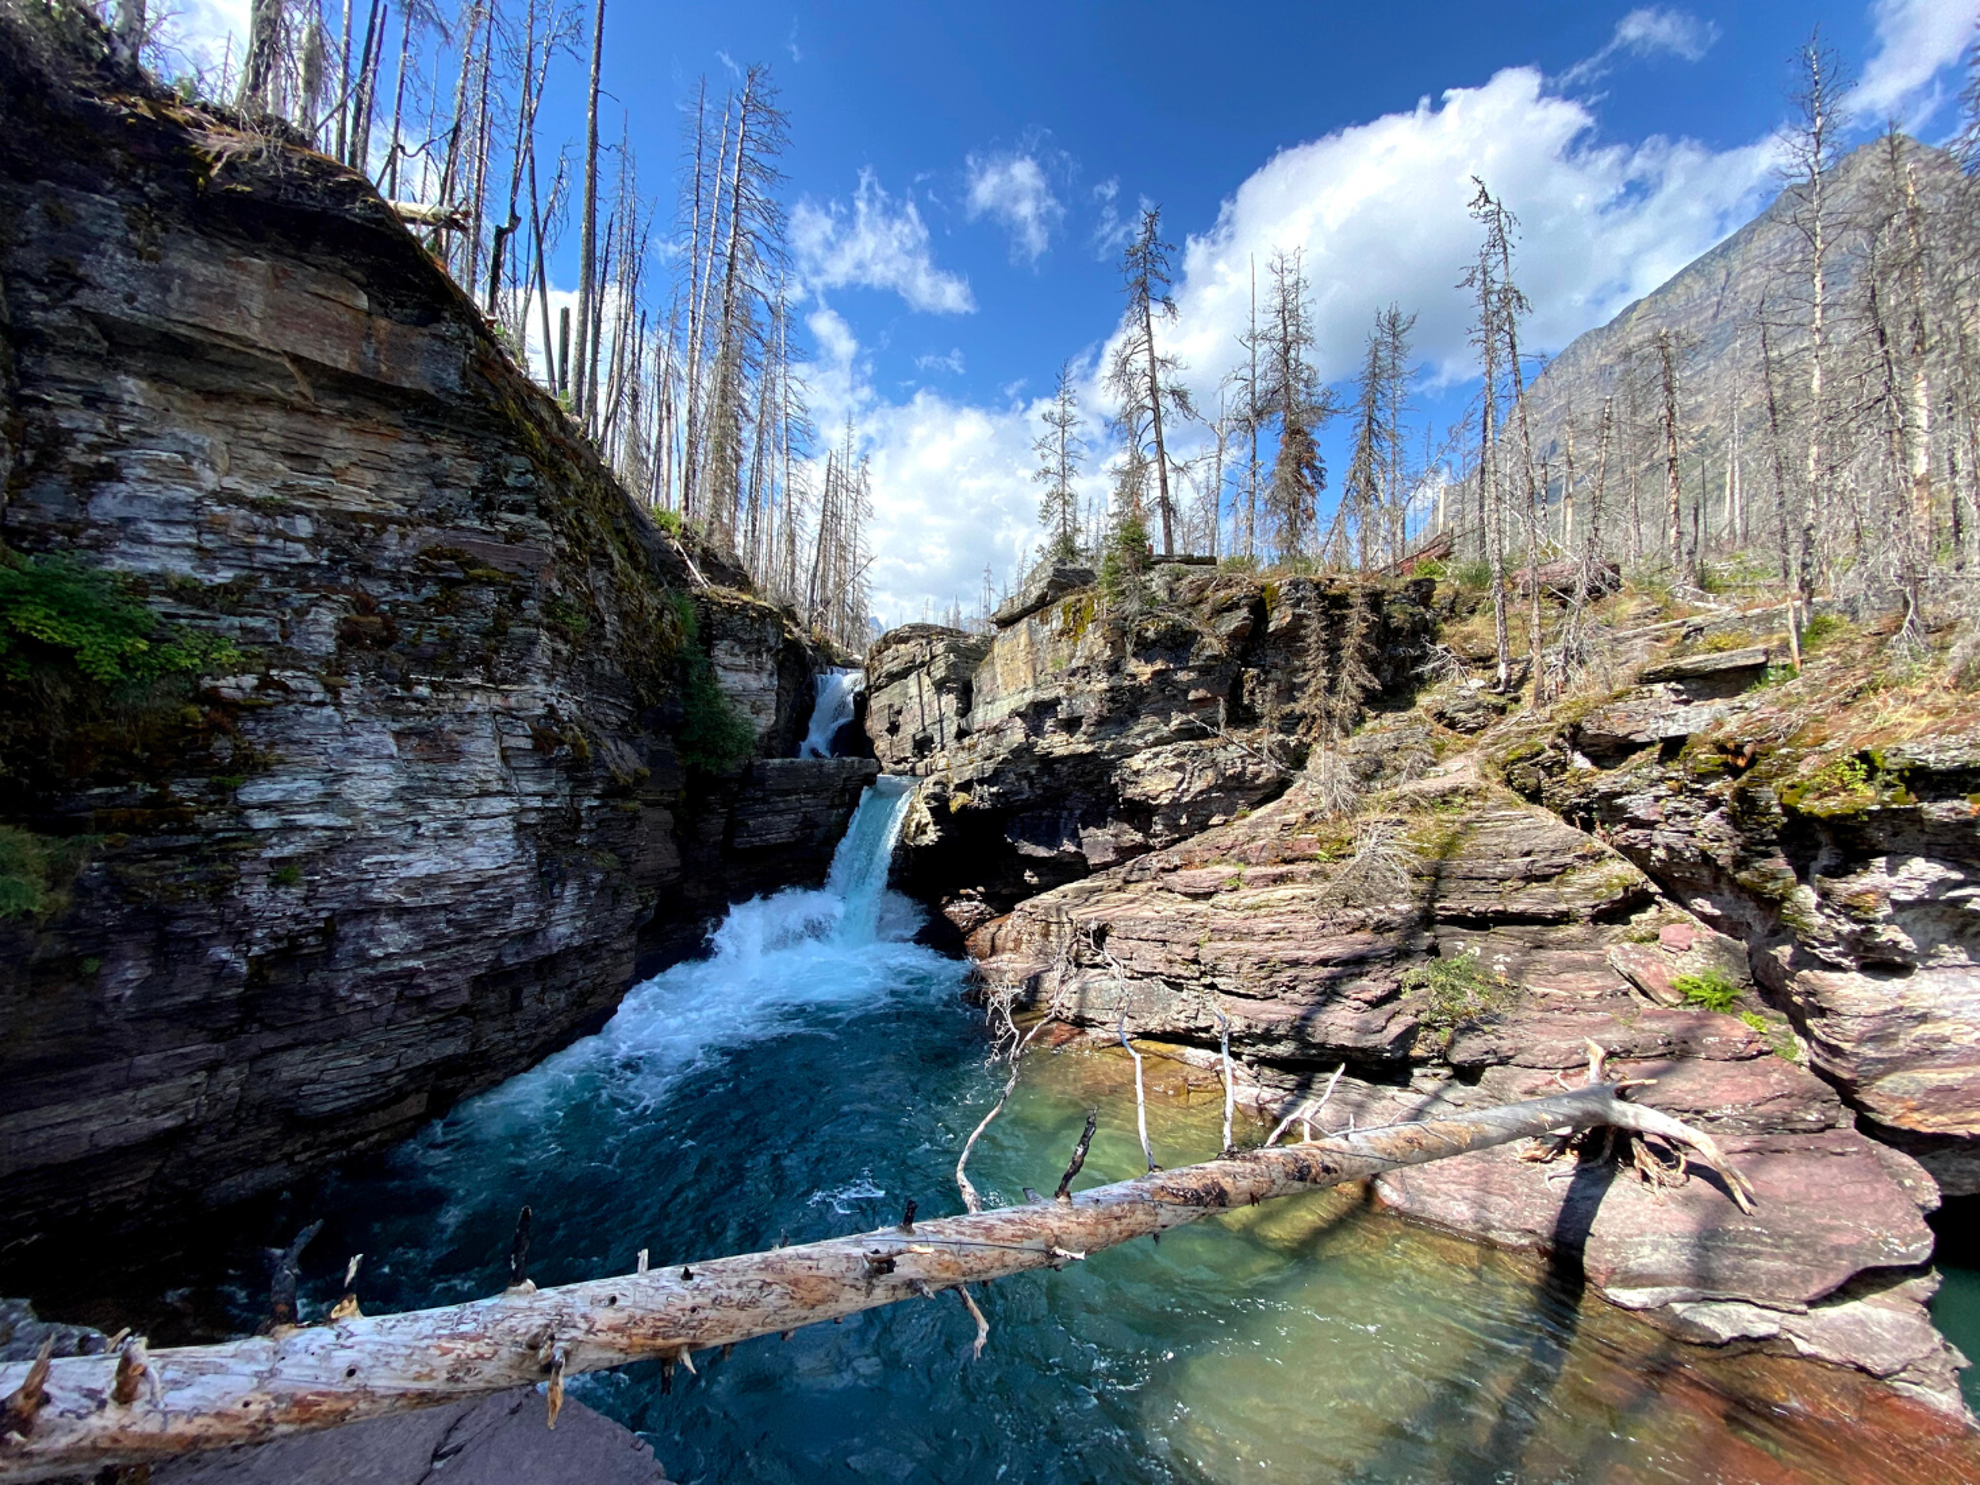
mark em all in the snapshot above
pixel 1956 1307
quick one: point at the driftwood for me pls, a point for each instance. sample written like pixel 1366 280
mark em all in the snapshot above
pixel 1437 549
pixel 418 214
pixel 76 1415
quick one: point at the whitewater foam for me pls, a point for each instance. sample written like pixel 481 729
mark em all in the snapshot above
pixel 799 951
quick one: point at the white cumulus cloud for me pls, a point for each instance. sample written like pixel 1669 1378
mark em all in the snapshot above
pixel 876 243
pixel 1013 189
pixel 1380 212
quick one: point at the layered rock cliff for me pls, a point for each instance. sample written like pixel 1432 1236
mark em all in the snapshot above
pixel 1753 892
pixel 463 738
pixel 1079 735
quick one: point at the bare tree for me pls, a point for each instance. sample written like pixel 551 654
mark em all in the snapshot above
pixel 1144 378
pixel 588 221
pixel 1498 302
pixel 1810 145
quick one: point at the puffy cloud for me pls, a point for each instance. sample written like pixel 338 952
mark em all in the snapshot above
pixel 952 491
pixel 875 244
pixel 1012 189
pixel 195 37
pixel 1917 40
pixel 952 362
pixel 1648 31
pixel 1380 212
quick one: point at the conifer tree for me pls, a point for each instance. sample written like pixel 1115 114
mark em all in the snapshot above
pixel 1292 390
pixel 1059 448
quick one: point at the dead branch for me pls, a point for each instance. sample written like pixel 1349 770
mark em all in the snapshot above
pixel 70 1416
pixel 971 1201
pixel 1308 1111
pixel 1064 1193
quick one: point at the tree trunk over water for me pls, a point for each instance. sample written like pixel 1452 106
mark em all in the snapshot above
pixel 75 1415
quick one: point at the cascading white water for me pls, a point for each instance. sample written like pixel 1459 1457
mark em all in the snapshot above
pixel 837 690
pixel 771 959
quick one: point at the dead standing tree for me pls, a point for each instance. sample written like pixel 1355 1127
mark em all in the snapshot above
pixel 1810 145
pixel 1146 381
pixel 81 1414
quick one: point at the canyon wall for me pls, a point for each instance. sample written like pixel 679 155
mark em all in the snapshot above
pixel 1447 907
pixel 467 738
pixel 1075 738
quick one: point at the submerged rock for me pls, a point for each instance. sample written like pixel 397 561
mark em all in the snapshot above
pixel 496 1440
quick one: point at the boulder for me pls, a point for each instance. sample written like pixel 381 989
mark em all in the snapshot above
pixel 1737 667
pixel 1046 584
pixel 498 1440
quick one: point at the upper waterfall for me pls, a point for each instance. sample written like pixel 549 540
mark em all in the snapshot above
pixel 837 690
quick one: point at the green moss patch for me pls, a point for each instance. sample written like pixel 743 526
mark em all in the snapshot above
pixel 57 614
pixel 1457 991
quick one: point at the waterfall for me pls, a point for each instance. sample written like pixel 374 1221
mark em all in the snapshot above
pixel 831 711
pixel 859 866
pixel 773 961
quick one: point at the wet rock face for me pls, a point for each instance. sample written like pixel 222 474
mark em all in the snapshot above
pixel 1856 886
pixel 1076 738
pixel 414 839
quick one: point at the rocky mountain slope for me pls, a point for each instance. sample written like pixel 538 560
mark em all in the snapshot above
pixel 1712 308
pixel 456 738
pixel 1761 906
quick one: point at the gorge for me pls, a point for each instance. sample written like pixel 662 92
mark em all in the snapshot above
pixel 499 846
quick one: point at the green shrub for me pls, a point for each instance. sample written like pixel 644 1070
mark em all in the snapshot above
pixel 1708 989
pixel 23 873
pixel 714 735
pixel 1842 786
pixel 1779 1038
pixel 566 617
pixel 1475 575
pixel 1124 561
pixel 55 611
pixel 1456 991
pixel 668 521
pixel 37 870
pixel 287 876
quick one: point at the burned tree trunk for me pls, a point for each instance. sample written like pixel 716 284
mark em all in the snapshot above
pixel 76 1415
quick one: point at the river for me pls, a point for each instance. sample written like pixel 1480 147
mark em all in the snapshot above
pixel 818 1069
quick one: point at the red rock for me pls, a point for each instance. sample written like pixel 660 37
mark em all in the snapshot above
pixel 1826 1211
pixel 1677 937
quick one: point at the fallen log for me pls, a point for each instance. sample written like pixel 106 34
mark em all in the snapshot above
pixel 75 1415
pixel 440 219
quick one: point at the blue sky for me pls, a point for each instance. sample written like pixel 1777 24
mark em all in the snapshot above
pixel 956 173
